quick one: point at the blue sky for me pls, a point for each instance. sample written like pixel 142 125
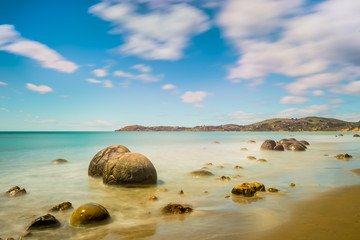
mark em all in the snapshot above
pixel 102 65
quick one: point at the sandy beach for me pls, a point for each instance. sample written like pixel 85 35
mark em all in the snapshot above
pixel 331 215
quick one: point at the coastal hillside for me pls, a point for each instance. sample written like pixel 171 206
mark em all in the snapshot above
pixel 276 124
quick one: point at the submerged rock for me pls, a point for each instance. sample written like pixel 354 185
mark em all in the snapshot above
pixel 343 156
pixel 248 189
pixel 251 158
pixel 44 222
pixel 215 142
pixel 251 141
pixel 268 144
pixel 261 160
pixel 238 167
pixel 59 161
pixel 129 169
pixel 61 207
pixel 153 197
pixel 224 178
pixel 273 190
pixel 97 164
pixel 16 191
pixel 175 208
pixel 201 173
pixel 89 214
pixel 243 149
pixel 356 135
pixel 292 185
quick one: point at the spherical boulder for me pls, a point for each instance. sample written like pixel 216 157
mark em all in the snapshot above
pixel 296 147
pixel 279 147
pixel 97 164
pixel 201 173
pixel 268 144
pixel 129 169
pixel 89 214
pixel 356 135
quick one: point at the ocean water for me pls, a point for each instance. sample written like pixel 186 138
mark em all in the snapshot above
pixel 25 161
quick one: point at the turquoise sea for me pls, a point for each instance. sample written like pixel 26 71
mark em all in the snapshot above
pixel 25 161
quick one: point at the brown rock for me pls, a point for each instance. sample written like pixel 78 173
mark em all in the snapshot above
pixel 201 173
pixel 215 142
pixel 238 167
pixel 296 147
pixel 97 164
pixel 273 190
pixel 251 158
pixel 153 197
pixel 251 141
pixel 224 178
pixel 261 160
pixel 292 185
pixel 356 135
pixel 61 207
pixel 175 208
pixel 243 149
pixel 278 147
pixel 59 161
pixel 89 214
pixel 343 156
pixel 44 222
pixel 268 145
pixel 16 191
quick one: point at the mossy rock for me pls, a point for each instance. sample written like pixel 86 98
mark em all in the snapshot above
pixel 175 208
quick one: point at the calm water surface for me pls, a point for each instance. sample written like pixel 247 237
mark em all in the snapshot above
pixel 25 161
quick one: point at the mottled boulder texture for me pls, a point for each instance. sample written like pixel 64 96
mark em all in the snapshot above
pixel 290 144
pixel 97 164
pixel 16 191
pixel 89 214
pixel 129 169
pixel 43 222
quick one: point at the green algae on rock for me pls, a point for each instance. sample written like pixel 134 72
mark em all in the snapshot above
pixel 89 214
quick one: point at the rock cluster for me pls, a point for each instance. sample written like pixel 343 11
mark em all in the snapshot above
pixel 343 156
pixel 118 166
pixel 248 189
pixel 290 144
pixel 16 191
pixel 175 208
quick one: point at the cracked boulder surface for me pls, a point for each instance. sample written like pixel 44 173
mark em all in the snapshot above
pixel 129 169
pixel 99 161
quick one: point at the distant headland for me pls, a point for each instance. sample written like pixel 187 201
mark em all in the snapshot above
pixel 307 124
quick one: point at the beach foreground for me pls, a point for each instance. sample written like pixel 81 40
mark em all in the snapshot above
pixel 331 215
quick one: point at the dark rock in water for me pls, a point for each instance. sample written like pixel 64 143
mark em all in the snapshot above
pixel 59 161
pixel 175 208
pixel 341 135
pixel 61 207
pixel 248 189
pixel 343 156
pixel 356 135
pixel 16 191
pixel 278 147
pixel 273 190
pixel 296 147
pixel 129 169
pixel 201 173
pixel 304 142
pixel 89 214
pixel 251 158
pixel 181 192
pixel 97 164
pixel 153 198
pixel 287 144
pixel 268 145
pixel 224 178
pixel 238 167
pixel 292 185
pixel 44 222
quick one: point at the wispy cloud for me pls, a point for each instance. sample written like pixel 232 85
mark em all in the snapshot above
pixel 168 87
pixel 293 100
pixel 142 68
pixel 100 72
pixel 196 98
pixel 144 77
pixel 4 109
pixel 98 123
pixel 10 41
pixel 40 121
pixel 40 89
pixel 158 34
pixel 106 83
pixel 3 83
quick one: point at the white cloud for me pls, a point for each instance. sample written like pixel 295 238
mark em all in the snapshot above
pixel 168 87
pixel 10 41
pixel 100 72
pixel 352 117
pixel 4 109
pixel 98 123
pixel 40 89
pixel 352 88
pixel 3 83
pixel 92 80
pixel 241 117
pixel 106 83
pixel 142 68
pixel 335 101
pixel 41 121
pixel 313 110
pixel 145 77
pixel 196 98
pixel 318 44
pixel 159 34
pixel 318 93
pixel 293 100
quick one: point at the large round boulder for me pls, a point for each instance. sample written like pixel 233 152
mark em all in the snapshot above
pixel 129 169
pixel 268 144
pixel 97 164
pixel 89 214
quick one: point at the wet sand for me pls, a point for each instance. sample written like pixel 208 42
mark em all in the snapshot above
pixel 332 215
pixel 356 171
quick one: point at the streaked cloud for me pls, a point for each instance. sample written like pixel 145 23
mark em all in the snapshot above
pixel 195 98
pixel 106 83
pixel 142 68
pixel 40 121
pixel 293 100
pixel 144 77
pixel 4 109
pixel 352 88
pixel 3 83
pixel 98 123
pixel 10 41
pixel 168 87
pixel 158 34
pixel 100 72
pixel 40 89
pixel 318 93
pixel 313 110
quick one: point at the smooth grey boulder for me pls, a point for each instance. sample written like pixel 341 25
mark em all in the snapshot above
pixel 97 164
pixel 129 169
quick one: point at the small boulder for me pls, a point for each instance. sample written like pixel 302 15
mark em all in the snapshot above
pixel 243 149
pixel 343 156
pixel 16 191
pixel 292 185
pixel 261 160
pixel 268 145
pixel 273 190
pixel 153 198
pixel 215 142
pixel 224 178
pixel 341 135
pixel 175 208
pixel 44 222
pixel 59 161
pixel 97 164
pixel 201 173
pixel 286 145
pixel 248 189
pixel 251 141
pixel 356 135
pixel 61 207
pixel 238 167
pixel 89 214
pixel 251 158
pixel 129 169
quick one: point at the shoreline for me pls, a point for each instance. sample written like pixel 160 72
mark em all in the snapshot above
pixel 330 215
